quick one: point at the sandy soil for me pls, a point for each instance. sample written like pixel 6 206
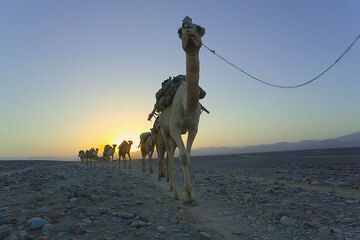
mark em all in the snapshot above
pixel 289 195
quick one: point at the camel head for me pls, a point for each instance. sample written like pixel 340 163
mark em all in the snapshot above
pixel 130 142
pixel 114 146
pixel 81 153
pixel 190 35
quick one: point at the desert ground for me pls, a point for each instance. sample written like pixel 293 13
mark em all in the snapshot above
pixel 312 194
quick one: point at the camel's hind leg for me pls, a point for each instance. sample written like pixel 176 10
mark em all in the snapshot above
pixel 184 157
pixel 161 154
pixel 170 148
pixel 129 159
pixel 124 161
pixel 150 159
pixel 143 164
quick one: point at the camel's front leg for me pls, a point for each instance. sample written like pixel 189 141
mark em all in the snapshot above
pixel 187 185
pixel 129 159
pixel 184 158
pixel 170 148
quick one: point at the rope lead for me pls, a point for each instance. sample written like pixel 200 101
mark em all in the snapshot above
pixel 281 86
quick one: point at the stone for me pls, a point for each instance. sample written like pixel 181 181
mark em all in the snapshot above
pixel 86 221
pixel 324 233
pixel 5 220
pixel 3 210
pixel 42 238
pixel 314 182
pixel 269 190
pixel 23 235
pixel 5 231
pixel 20 219
pixel 138 224
pixel 287 221
pixel 138 203
pixel 348 220
pixel 238 231
pixel 126 215
pixel 205 235
pixel 36 223
pixel 174 220
pixel 222 191
pixel 248 197
pixel 161 229
pixel 47 228
pixel 43 209
pixel 78 229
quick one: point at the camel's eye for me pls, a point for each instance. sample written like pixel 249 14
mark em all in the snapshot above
pixel 180 32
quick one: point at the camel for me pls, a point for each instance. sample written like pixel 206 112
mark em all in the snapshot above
pixel 82 156
pixel 160 148
pixel 87 156
pixel 183 114
pixel 147 147
pixel 93 154
pixel 109 152
pixel 124 149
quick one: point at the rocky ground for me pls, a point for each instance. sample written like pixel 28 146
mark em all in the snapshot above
pixel 291 195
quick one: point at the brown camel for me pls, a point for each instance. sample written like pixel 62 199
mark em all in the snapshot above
pixel 108 152
pixel 82 156
pixel 87 156
pixel 147 147
pixel 124 149
pixel 182 116
pixel 93 154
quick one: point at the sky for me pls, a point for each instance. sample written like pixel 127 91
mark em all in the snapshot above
pixel 81 74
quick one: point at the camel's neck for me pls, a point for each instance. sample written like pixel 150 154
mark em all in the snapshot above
pixel 192 81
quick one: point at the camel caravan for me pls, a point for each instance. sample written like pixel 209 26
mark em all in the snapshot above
pixel 177 111
pixel 91 156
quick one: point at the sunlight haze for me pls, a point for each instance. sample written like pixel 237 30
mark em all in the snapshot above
pixel 81 74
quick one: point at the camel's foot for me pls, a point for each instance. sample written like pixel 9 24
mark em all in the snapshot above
pixel 125 167
pixel 151 171
pixel 192 203
pixel 189 199
pixel 159 178
pixel 130 167
pixel 174 196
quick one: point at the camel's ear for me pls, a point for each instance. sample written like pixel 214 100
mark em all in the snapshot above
pixel 202 31
pixel 180 33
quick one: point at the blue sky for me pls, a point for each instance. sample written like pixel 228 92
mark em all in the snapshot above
pixel 76 74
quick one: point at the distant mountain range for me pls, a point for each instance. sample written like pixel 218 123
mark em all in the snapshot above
pixel 351 140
